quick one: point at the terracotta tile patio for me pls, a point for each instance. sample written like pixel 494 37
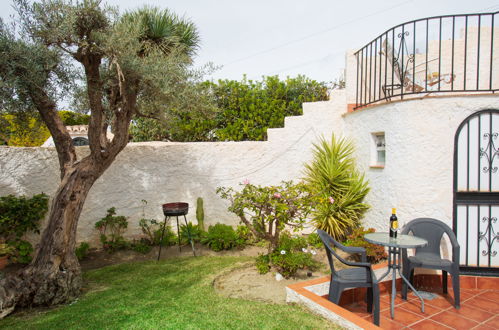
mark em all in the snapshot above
pixel 479 304
pixel 479 310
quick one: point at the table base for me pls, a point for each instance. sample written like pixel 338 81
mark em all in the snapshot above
pixel 394 265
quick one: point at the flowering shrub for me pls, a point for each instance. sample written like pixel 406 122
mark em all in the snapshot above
pixel 291 255
pixel 288 264
pixel 267 210
pixel 375 253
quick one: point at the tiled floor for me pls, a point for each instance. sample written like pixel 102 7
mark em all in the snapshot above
pixel 479 310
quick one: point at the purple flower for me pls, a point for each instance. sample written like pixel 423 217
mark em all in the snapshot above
pixel 331 200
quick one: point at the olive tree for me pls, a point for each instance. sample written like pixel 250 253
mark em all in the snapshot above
pixel 123 67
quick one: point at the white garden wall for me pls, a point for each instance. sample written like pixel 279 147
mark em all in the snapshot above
pixel 161 172
pixel 417 177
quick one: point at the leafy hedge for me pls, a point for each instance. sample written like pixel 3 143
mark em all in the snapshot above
pixel 249 107
pixel 246 109
pixel 18 216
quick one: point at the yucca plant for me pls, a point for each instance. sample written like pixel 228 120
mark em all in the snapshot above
pixel 339 188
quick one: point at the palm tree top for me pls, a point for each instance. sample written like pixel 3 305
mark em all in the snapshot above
pixel 165 29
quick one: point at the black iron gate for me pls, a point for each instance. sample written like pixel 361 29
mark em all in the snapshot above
pixel 476 192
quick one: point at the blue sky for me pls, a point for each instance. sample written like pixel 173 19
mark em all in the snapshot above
pixel 290 37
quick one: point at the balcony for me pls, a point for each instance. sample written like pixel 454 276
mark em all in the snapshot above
pixel 436 55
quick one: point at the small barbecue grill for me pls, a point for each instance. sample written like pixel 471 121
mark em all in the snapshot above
pixel 175 210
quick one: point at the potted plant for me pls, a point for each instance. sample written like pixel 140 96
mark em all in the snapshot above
pixel 5 251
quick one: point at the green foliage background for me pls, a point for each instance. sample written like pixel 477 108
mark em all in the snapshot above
pixel 246 109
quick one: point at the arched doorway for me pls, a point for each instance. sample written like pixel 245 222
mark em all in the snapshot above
pixel 476 192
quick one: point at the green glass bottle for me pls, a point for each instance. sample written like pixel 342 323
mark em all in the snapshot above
pixel 394 224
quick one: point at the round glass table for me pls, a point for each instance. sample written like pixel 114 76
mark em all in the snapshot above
pixel 395 258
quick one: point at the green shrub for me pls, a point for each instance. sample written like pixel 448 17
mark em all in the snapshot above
pixel 19 215
pixel 111 229
pixel 244 235
pixel 375 253
pixel 289 263
pixel 339 189
pixel 141 246
pixel 149 227
pixel 22 251
pixel 153 230
pixel 169 237
pixel 220 237
pixel 263 263
pixel 82 250
pixel 196 233
pixel 314 240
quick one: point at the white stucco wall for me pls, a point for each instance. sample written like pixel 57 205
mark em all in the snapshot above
pixel 161 172
pixel 418 175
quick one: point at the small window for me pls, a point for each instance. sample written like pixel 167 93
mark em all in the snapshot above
pixel 80 141
pixel 379 153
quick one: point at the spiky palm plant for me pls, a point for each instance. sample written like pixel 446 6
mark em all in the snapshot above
pixel 339 188
pixel 165 30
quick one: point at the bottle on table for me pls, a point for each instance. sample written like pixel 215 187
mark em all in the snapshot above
pixel 394 224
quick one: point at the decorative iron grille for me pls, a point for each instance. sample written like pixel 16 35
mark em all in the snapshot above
pixel 476 192
pixel 453 53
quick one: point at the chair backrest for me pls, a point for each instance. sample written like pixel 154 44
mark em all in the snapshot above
pixel 432 230
pixel 329 242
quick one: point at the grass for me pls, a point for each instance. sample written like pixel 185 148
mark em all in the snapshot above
pixel 170 294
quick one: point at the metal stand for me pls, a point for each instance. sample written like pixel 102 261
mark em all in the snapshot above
pixel 178 234
pixel 394 265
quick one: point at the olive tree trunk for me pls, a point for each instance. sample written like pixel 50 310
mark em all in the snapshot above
pixel 54 275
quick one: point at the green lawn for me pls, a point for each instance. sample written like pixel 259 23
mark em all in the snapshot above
pixel 171 294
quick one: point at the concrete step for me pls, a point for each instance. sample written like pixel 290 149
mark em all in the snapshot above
pixel 316 115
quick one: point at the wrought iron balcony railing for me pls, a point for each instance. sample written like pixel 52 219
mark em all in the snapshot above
pixel 454 53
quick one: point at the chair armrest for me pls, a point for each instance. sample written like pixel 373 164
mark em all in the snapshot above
pixel 455 246
pixel 354 249
pixel 346 262
pixel 354 263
